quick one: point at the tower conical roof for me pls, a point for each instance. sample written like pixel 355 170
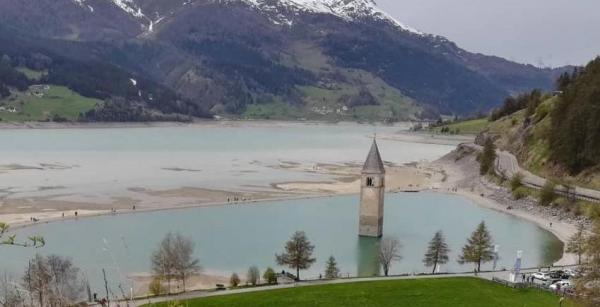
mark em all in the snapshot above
pixel 374 164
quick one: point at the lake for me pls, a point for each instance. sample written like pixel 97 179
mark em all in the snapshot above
pixel 232 238
pixel 98 164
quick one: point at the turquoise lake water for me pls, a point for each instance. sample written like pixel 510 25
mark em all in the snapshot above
pixel 98 164
pixel 232 238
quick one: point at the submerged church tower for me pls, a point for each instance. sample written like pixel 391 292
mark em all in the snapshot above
pixel 372 192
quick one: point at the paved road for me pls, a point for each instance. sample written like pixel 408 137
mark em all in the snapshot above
pixel 507 166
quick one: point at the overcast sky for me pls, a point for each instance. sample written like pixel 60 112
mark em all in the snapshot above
pixel 540 32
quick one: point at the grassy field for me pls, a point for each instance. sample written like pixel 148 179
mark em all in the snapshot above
pixel 32 74
pixel 463 292
pixel 273 110
pixel 56 100
pixel 474 126
pixel 325 102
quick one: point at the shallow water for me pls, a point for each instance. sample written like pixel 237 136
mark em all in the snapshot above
pixel 106 162
pixel 231 238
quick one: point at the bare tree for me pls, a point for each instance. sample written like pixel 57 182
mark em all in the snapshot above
pixel 389 251
pixel 577 242
pixel 11 294
pixel 37 279
pixel 588 284
pixel 253 275
pixel 163 261
pixel 184 263
pixel 67 285
pixel 53 281
pixel 298 253
pixel 234 280
pixel 174 258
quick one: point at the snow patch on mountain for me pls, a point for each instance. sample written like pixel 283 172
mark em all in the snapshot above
pixel 128 6
pixel 346 9
pixel 284 11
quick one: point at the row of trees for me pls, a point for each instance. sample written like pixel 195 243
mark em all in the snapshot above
pixel 10 77
pixel 478 250
pixel 55 281
pixel 253 277
pixel 529 101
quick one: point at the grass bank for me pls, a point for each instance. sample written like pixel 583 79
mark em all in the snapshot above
pixel 473 126
pixel 42 103
pixel 462 292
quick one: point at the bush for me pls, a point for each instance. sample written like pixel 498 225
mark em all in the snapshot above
pixel 592 211
pixel 253 276
pixel 516 181
pixel 487 158
pixel 520 193
pixel 548 193
pixel 269 276
pixel 156 287
pixel 59 119
pixel 234 280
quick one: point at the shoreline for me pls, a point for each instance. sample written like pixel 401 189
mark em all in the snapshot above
pixel 444 174
pixel 197 122
pixel 463 174
pixel 103 213
pixel 561 230
pixel 454 174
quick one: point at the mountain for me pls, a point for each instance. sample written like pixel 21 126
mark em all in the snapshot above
pixel 320 59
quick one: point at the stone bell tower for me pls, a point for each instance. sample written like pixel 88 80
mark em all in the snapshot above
pixel 372 192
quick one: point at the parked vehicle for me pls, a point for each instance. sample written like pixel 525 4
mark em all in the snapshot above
pixel 541 276
pixel 559 274
pixel 561 285
pixel 574 273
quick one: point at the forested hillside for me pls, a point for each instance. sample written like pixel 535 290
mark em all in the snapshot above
pixel 575 133
pixel 555 135
pixel 80 68
pixel 333 60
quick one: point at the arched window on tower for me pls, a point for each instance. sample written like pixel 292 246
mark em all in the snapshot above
pixel 370 182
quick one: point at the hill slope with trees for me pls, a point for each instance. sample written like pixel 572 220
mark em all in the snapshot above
pixel 245 60
pixel 556 136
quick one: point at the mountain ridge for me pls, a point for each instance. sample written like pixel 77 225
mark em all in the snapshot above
pixel 327 59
